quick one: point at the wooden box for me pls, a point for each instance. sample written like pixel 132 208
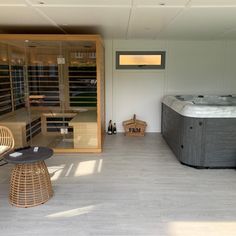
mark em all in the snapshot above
pixel 134 127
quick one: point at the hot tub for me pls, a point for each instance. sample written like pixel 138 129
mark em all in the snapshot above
pixel 201 130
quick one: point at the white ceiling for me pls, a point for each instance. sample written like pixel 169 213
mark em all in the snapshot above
pixel 126 19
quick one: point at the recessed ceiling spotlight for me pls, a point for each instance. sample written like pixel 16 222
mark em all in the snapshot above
pixel 162 4
pixel 41 3
pixel 26 41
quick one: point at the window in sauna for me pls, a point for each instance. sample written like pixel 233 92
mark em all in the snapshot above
pixel 140 60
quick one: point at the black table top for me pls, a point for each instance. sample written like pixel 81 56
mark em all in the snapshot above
pixel 29 156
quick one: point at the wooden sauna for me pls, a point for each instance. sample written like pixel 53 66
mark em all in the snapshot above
pixel 52 91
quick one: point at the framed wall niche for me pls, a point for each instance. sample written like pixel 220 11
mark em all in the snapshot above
pixel 52 91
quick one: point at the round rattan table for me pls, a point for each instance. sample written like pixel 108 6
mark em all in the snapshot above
pixel 30 183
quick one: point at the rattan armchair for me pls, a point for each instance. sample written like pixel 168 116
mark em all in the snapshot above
pixel 6 141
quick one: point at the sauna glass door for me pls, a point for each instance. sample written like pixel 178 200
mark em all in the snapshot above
pixel 45 92
pixel 62 91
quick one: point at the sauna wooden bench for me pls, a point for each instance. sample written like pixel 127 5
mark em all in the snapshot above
pixel 52 116
pixel 85 129
pixel 19 123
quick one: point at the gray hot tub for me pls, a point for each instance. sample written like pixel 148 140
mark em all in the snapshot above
pixel 201 130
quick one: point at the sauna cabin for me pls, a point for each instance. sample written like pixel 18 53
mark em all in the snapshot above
pixel 52 91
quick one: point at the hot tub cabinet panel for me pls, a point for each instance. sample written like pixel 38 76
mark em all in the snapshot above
pixel 170 126
pixel 221 142
pixel 200 142
pixel 192 141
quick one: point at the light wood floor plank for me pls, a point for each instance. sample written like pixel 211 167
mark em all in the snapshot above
pixel 135 187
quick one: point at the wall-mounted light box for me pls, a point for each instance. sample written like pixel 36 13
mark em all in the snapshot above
pixel 140 60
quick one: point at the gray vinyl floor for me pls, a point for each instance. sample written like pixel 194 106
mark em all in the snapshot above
pixel 135 187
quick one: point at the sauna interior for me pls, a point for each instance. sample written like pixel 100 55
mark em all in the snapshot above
pixel 52 91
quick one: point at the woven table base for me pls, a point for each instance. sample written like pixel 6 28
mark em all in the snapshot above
pixel 30 185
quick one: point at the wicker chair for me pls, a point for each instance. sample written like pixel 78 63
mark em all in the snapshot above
pixel 6 141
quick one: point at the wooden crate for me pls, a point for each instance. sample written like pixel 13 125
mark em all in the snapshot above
pixel 134 127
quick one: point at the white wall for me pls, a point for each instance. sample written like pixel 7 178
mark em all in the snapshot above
pixel 192 67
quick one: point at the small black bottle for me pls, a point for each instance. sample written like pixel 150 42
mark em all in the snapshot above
pixel 114 129
pixel 110 128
